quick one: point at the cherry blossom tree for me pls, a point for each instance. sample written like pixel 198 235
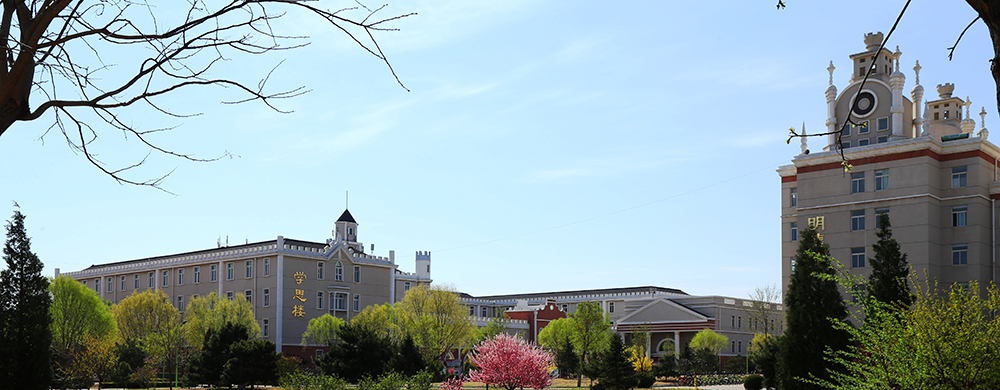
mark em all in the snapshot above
pixel 510 362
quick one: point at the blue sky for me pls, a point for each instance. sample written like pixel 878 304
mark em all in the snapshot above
pixel 543 145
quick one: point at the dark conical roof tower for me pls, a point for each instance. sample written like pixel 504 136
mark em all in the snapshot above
pixel 346 217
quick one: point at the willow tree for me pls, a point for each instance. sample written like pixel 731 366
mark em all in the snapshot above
pixel 78 63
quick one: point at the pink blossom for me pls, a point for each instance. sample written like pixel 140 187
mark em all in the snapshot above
pixel 509 362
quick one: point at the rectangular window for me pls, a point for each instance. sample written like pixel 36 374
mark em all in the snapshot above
pixel 857 182
pixel 858 293
pixel 213 273
pixel 319 300
pixel 97 285
pixel 484 312
pixel 883 124
pixel 357 274
pixel 136 287
pixel 881 179
pixel 151 277
pixel 795 231
pixel 249 269
pixel 267 297
pixel 229 295
pixel 960 254
pixel 264 328
pixel 958 177
pixel 110 285
pixel 357 302
pixel 739 346
pixel 267 266
pixel 230 271
pixel 611 307
pixel 320 271
pixel 248 294
pixel 197 275
pixel 878 216
pixel 166 278
pixel 858 257
pixel 959 216
pixel 857 220
pixel 882 139
pixel 793 197
pixel 845 145
pixel 739 322
pixel 472 311
pixel 862 127
pixel 845 130
pixel 180 302
pixel 180 277
pixel 406 286
pixel 123 283
pixel 864 142
pixel 339 302
pixel 791 264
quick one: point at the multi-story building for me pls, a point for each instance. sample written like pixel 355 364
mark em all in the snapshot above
pixel 287 281
pixel 933 174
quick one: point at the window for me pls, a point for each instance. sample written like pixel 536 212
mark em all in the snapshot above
pixel 230 271
pixel 267 297
pixel 249 265
pixel 864 142
pixel 857 182
pixel 180 302
pixel 793 197
pixel 862 127
pixel 739 322
pixel 357 274
pixel 472 311
pixel 338 272
pixel 180 277
pixel 791 263
pixel 213 272
pixel 732 346
pixel 267 266
pixel 248 294
pixel 166 278
pixel 858 293
pixel 406 286
pixel 857 220
pixel 959 216
pixel 732 322
pixel 878 216
pixel 136 286
pixel 357 302
pixel 484 312
pixel 97 285
pixel 858 257
pixel 320 271
pixel 151 277
pixel 264 327
pixel 739 346
pixel 319 300
pixel 565 307
pixel 845 130
pixel 795 231
pixel 339 300
pixel 428 268
pixel 882 139
pixel 229 295
pixel 883 124
pixel 845 145
pixel 611 307
pixel 197 275
pixel 960 254
pixel 123 283
pixel 881 179
pixel 958 176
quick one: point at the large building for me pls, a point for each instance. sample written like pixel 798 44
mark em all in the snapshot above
pixel 923 164
pixel 287 281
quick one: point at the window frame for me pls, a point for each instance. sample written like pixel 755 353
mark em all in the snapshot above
pixel 319 300
pixel 266 296
pixel 249 269
pixel 248 295
pixel 858 220
pixel 213 271
pixel 878 124
pixel 197 275
pixel 180 277
pixel 960 176
pixel 793 197
pixel 794 229
pixel 356 303
pixel 166 278
pixel 959 216
pixel 960 254
pixel 267 267
pixel 881 179
pixel 357 274
pixel 320 270
pixel 857 182
pixel 338 271
pixel 230 271
pixel 858 255
pixel 878 212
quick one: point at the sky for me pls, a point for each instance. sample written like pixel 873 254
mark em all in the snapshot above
pixel 542 146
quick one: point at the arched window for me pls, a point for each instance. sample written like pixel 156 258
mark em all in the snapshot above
pixel 339 273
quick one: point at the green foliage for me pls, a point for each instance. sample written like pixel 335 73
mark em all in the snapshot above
pixel 361 353
pixel 556 334
pixel 567 361
pixel 208 366
pixel 322 330
pixel 665 366
pixel 383 318
pixel 407 359
pixel 78 314
pixel 591 333
pixel 946 340
pixel 496 326
pixel 708 339
pixel 25 337
pixel 387 381
pixel 890 271
pixel 309 381
pixel 436 318
pixel 614 372
pixel 813 305
pixel 764 352
pixel 288 365
pixel 754 382
pixel 148 319
pixel 645 380
pixel 212 312
pixel 252 362
pixel 735 365
pixel 129 359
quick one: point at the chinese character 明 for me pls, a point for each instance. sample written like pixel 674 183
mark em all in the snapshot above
pixel 299 277
pixel 818 223
pixel 300 295
pixel 298 311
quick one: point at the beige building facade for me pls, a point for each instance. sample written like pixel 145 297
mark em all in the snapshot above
pixel 287 281
pixel 934 174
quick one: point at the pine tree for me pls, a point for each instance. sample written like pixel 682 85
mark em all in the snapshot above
pixel 888 281
pixel 24 313
pixel 615 369
pixel 811 304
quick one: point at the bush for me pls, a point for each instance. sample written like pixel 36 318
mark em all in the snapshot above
pixel 646 379
pixel 754 382
pixel 736 365
pixel 421 381
pixel 306 381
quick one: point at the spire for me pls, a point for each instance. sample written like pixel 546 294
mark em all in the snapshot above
pixel 968 125
pixel 983 133
pixel 897 54
pixel 830 69
pixel 805 148
pixel 916 70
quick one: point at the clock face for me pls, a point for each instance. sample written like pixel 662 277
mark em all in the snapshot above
pixel 864 104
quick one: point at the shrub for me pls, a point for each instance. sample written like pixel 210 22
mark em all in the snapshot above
pixel 646 379
pixel 754 382
pixel 307 381
pixel 421 381
pixel 453 383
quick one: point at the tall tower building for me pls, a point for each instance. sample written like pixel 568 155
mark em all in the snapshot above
pixel 923 164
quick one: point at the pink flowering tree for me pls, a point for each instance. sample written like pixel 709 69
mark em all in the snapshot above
pixel 509 362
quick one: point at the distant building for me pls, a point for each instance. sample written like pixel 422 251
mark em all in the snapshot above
pixel 288 281
pixel 923 164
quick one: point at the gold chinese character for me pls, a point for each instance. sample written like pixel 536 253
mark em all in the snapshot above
pixel 299 277
pixel 818 223
pixel 298 311
pixel 300 295
pixel 820 237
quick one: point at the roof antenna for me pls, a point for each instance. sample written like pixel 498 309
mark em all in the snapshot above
pixel 346 199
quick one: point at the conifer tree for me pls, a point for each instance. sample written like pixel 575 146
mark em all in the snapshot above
pixel 888 281
pixel 615 369
pixel 812 303
pixel 24 313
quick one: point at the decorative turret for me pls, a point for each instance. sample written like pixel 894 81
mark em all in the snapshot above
pixel 831 107
pixel 968 125
pixel 879 63
pixel 873 41
pixel 896 82
pixel 983 133
pixel 423 260
pixel 347 228
pixel 918 95
pixel 804 146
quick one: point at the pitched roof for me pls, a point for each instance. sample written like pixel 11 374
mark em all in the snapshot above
pixel 346 217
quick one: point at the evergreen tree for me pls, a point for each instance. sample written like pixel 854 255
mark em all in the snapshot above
pixel 888 281
pixel 25 338
pixel 208 365
pixel 407 360
pixel 251 362
pixel 567 360
pixel 362 352
pixel 811 305
pixel 615 370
